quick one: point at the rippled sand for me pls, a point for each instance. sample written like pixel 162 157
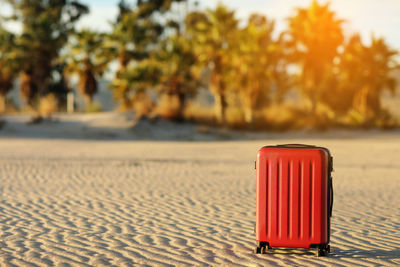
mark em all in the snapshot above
pixel 123 203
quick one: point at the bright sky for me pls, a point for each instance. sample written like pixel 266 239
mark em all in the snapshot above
pixel 380 17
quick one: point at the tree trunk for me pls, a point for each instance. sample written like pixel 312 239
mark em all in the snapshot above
pixel 123 60
pixel 2 104
pixel 247 104
pixel 312 86
pixel 70 102
pixel 88 100
pixel 218 88
pixel 360 102
pixel 181 107
pixel 249 96
pixel 88 83
pixel 248 115
pixel 220 107
pixel 367 103
pixel 313 102
pixel 28 88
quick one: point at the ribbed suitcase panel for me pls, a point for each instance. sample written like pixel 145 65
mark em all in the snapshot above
pixel 294 194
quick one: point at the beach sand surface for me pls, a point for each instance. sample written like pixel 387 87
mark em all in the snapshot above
pixel 117 202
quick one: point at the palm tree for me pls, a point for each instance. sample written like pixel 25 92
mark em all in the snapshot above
pixel 379 63
pixel 8 66
pixel 135 34
pixel 346 78
pixel 45 29
pixel 315 35
pixel 178 73
pixel 85 58
pixel 133 84
pixel 130 41
pixel 214 34
pixel 365 72
pixel 259 66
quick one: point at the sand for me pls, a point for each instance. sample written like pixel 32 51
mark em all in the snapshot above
pixel 79 200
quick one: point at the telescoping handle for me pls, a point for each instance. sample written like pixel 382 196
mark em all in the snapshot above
pixel 295 146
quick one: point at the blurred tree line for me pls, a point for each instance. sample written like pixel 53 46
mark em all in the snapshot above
pixel 166 51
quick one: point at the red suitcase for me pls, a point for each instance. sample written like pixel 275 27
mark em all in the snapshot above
pixel 294 197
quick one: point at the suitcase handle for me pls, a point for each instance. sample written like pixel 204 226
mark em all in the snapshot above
pixel 330 196
pixel 295 146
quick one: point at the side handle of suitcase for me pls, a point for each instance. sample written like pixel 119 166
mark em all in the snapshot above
pixel 330 196
pixel 330 203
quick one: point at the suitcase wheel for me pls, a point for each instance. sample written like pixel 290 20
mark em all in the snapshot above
pixel 257 250
pixel 322 250
pixel 262 248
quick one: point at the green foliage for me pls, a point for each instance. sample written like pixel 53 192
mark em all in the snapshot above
pixel 136 80
pixel 161 55
pixel 46 26
pixel 8 66
pixel 133 40
pixel 266 81
pixel 85 57
pixel 214 35
pixel 178 76
pixel 365 71
pixel 94 107
pixel 244 62
pixel 315 36
pixel 58 85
